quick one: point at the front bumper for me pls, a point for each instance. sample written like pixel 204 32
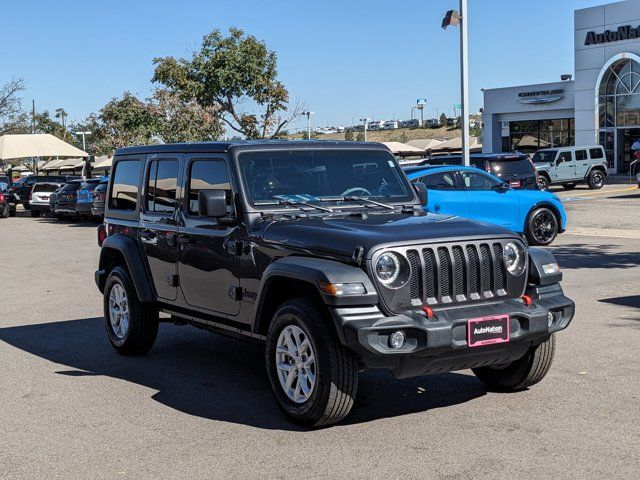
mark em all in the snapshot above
pixel 439 344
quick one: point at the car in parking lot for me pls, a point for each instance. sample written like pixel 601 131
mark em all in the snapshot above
pixel 516 169
pixel 22 189
pixel 84 197
pixel 67 198
pixel 39 198
pixel 323 251
pixel 7 203
pixel 99 197
pixel 570 166
pixel 472 193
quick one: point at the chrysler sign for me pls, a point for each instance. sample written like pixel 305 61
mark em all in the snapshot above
pixel 626 32
pixel 541 96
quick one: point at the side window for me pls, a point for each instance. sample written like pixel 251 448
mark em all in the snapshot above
pixel 161 186
pixel 207 175
pixel 581 154
pixel 478 181
pixel 124 193
pixel 440 181
pixel 564 157
pixel 596 153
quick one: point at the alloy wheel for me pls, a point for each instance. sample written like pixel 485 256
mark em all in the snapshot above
pixel 119 311
pixel 544 226
pixel 295 364
pixel 597 179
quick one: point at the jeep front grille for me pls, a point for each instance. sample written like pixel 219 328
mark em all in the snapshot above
pixel 456 273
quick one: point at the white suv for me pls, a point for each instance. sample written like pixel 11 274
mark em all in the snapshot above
pixel 39 197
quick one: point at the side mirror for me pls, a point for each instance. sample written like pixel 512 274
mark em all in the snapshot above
pixel 421 190
pixel 212 203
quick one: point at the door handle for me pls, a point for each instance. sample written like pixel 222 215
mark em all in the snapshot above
pixel 148 236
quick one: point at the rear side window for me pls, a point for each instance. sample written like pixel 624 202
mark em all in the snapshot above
pixel 596 153
pixel 161 186
pixel 124 193
pixel 71 187
pixel 207 175
pixel 581 154
pixel 45 187
pixel 515 166
pixel 440 181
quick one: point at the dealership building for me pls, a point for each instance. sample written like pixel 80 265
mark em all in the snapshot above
pixel 599 105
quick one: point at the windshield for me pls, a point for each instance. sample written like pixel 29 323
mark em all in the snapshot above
pixel 316 175
pixel 544 156
pixel 71 187
pixel 511 166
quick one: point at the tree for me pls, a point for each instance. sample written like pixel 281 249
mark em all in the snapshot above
pixel 360 137
pixel 228 73
pixel 183 121
pixel 348 135
pixel 443 119
pixel 10 104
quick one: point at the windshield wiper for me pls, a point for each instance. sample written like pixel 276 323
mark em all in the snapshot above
pixel 361 200
pixel 294 203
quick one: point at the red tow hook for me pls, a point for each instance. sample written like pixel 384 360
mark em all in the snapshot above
pixel 527 300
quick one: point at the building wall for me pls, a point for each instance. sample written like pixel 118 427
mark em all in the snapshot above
pixel 590 59
pixel 508 104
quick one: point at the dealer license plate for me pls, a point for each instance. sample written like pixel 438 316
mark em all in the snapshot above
pixel 515 184
pixel 487 330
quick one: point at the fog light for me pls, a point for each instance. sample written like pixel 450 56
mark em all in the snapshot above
pixel 396 339
pixel 550 318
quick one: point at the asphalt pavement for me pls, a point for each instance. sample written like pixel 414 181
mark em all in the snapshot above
pixel 199 405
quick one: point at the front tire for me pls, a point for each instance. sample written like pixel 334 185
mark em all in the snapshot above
pixel 313 377
pixel 595 181
pixel 522 373
pixel 541 227
pixel 132 326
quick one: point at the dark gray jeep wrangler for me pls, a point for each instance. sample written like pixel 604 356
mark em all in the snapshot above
pixel 322 251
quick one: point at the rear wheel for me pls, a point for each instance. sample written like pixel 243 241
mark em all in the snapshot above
pixel 522 373
pixel 542 227
pixel 543 183
pixel 313 377
pixel 569 186
pixel 595 180
pixel 132 326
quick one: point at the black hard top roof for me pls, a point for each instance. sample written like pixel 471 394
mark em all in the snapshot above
pixel 221 147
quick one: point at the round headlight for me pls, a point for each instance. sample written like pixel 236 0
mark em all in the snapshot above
pixel 388 268
pixel 514 258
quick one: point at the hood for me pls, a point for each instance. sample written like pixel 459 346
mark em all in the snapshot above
pixel 341 234
pixel 542 165
pixel 532 197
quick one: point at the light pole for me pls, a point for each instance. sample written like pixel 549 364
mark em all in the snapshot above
pixel 84 144
pixel 308 114
pixel 454 18
pixel 365 121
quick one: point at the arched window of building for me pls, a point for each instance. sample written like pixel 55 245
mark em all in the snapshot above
pixel 619 95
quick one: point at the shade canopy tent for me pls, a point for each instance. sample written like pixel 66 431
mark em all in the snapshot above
pixel 403 150
pixel 36 145
pixel 53 165
pixel 102 163
pixel 425 143
pixel 455 145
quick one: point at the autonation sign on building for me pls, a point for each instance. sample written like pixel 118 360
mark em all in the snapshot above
pixel 600 104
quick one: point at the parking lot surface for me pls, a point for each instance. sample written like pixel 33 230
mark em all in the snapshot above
pixel 199 405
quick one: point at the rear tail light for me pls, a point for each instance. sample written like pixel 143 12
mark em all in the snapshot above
pixel 1 197
pixel 487 167
pixel 102 234
pixel 535 170
pixel 30 196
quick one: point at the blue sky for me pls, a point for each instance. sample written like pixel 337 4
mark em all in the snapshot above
pixel 345 59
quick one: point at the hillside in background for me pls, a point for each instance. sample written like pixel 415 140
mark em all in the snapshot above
pixel 399 135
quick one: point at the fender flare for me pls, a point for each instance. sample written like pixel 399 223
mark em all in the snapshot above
pixel 537 276
pixel 313 271
pixel 130 251
pixel 596 167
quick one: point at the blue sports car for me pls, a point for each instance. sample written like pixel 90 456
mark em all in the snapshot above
pixel 472 193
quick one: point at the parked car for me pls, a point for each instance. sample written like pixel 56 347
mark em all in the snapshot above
pixel 53 200
pixel 4 179
pixel 39 198
pixel 569 166
pixel 7 202
pixel 66 200
pixel 472 193
pixel 22 189
pixel 322 251
pixel 514 168
pixel 99 196
pixel 84 197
